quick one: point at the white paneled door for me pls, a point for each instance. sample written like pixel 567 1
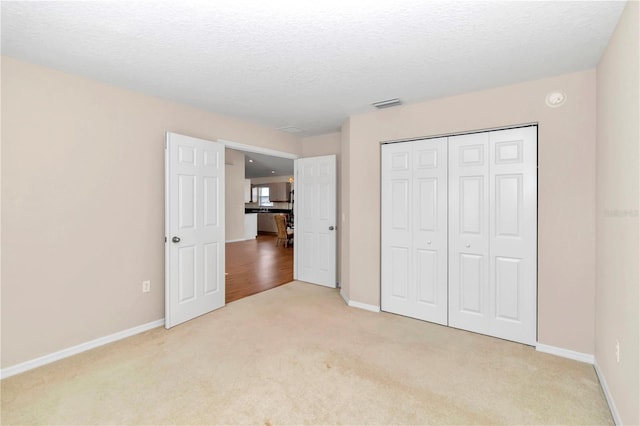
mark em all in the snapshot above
pixel 459 231
pixel 469 232
pixel 315 220
pixel 513 233
pixel 493 233
pixel 194 228
pixel 414 229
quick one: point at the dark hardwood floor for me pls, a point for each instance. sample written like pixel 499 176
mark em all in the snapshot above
pixel 256 265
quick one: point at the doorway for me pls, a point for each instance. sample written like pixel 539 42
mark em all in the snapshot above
pixel 257 262
pixel 196 194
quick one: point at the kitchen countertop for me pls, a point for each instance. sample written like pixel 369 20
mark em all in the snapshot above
pixel 267 210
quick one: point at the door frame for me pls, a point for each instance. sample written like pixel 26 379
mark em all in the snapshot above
pixel 257 149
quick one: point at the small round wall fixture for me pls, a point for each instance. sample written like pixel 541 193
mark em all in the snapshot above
pixel 556 98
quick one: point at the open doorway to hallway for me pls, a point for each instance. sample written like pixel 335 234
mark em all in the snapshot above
pixel 256 265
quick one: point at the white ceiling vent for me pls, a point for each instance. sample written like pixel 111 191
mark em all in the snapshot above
pixel 387 103
pixel 291 129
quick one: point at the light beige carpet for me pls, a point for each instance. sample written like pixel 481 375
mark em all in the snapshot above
pixel 297 354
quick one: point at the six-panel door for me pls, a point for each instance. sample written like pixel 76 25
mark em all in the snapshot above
pixel 195 245
pixel 315 215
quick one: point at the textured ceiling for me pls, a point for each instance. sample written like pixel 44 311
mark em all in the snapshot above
pixel 308 64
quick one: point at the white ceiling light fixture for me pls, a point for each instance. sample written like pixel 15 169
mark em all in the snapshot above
pixel 388 103
pixel 556 98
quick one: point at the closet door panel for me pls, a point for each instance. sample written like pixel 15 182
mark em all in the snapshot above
pixel 396 249
pixel 430 164
pixel 468 232
pixel 414 229
pixel 513 235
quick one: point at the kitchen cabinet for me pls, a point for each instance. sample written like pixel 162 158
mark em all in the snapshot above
pixel 266 222
pixel 279 191
pixel 250 226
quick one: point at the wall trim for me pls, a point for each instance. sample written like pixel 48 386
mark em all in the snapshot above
pixel 239 239
pixel 565 353
pixel 465 132
pixel 346 299
pixel 359 305
pixel 607 394
pixel 365 306
pixel 257 149
pixel 74 350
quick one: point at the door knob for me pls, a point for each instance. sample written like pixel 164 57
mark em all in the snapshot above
pixel 468 245
pixel 429 242
pixel 176 239
pixel 331 228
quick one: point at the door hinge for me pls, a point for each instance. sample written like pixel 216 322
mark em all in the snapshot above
pixel 165 239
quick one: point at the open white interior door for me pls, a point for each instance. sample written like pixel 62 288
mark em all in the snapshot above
pixel 194 228
pixel 315 220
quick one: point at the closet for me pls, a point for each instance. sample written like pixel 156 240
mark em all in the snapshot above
pixel 459 231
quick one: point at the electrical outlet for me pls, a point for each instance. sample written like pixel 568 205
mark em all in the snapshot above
pixel 617 351
pixel 146 286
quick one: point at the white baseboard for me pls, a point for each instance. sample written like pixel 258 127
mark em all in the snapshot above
pixel 74 350
pixel 344 297
pixel 359 305
pixel 239 239
pixel 364 306
pixel 607 394
pixel 565 353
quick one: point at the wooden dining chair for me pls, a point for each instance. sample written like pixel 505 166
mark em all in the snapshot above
pixel 284 234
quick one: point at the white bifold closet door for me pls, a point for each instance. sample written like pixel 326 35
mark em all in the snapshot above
pixel 492 233
pixel 459 231
pixel 414 229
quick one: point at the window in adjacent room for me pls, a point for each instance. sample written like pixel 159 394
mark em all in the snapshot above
pixel 263 197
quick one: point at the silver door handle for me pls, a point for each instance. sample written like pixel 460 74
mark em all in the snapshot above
pixel 468 245
pixel 176 239
pixel 429 242
pixel 331 228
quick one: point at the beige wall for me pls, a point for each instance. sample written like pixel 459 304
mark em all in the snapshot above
pixel 618 178
pixel 234 195
pixel 83 204
pixel 328 144
pixel 566 233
